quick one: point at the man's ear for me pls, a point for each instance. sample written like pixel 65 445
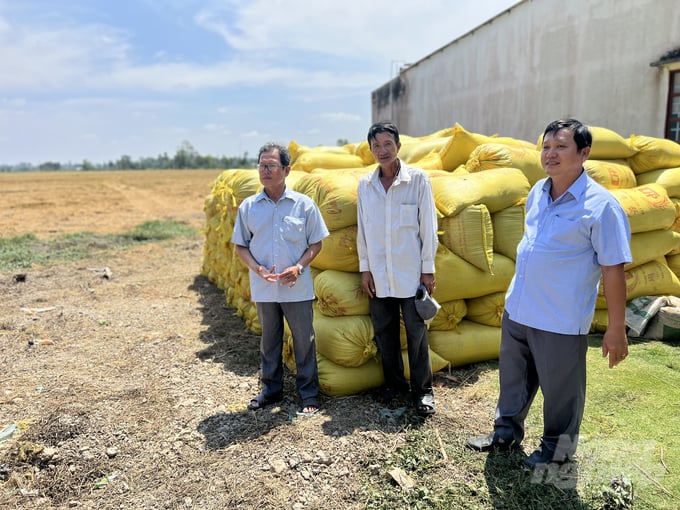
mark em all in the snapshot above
pixel 586 152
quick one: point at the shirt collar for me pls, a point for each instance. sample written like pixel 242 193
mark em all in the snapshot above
pixel 404 174
pixel 262 195
pixel 577 187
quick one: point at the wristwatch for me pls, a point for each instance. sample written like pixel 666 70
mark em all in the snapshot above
pixel 301 268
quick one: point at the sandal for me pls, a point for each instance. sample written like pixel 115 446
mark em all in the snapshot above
pixel 425 405
pixel 310 407
pixel 262 401
pixel 308 410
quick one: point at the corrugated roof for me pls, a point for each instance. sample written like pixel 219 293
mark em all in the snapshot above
pixel 669 57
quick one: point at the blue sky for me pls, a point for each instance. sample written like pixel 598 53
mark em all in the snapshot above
pixel 98 79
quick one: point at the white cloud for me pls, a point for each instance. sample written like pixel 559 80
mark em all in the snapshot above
pixel 378 31
pixel 97 80
pixel 340 117
pixel 186 76
pixel 39 58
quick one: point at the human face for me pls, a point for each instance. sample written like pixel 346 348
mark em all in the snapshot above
pixel 560 157
pixel 272 174
pixel 384 149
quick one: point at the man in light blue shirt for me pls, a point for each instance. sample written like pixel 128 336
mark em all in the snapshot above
pixel 396 244
pixel 575 233
pixel 278 232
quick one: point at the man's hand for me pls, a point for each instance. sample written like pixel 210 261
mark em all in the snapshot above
pixel 367 283
pixel 427 279
pixel 289 276
pixel 614 344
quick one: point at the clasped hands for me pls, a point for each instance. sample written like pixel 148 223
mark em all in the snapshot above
pixel 288 276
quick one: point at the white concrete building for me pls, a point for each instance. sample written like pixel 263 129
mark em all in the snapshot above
pixel 608 63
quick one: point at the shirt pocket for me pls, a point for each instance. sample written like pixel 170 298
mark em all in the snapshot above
pixel 408 216
pixel 568 234
pixel 294 229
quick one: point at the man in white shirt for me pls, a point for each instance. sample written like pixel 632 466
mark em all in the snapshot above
pixel 396 244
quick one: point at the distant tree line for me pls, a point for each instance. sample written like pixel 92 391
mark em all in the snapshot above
pixel 186 157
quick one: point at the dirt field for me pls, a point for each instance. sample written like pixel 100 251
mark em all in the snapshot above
pixel 131 390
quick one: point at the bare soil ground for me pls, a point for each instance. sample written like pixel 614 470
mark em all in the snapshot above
pixel 131 390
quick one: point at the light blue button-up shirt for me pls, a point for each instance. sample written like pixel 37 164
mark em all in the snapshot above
pixel 396 231
pixel 277 234
pixel 558 262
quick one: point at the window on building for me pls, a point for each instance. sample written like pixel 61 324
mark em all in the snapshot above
pixel 673 115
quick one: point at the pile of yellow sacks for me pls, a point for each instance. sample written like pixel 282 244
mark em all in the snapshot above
pixel 480 184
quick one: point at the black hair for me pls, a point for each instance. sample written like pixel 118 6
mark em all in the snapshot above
pixel 582 135
pixel 382 127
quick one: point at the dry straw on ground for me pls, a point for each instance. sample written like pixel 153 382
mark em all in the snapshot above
pixel 131 389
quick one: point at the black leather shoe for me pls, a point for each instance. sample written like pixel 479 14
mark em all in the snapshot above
pixel 490 442
pixel 544 456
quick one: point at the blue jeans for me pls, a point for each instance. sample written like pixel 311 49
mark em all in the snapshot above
pixel 299 316
pixel 385 314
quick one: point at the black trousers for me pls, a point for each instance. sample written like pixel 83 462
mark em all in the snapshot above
pixel 386 314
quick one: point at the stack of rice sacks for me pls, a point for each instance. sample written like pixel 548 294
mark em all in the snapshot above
pixel 480 184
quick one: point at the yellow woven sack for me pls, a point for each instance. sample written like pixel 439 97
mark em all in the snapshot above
pixel 445 132
pixel 337 381
pixel 450 314
pixel 458 148
pixel 469 234
pixel 611 174
pixel 415 149
pixel 498 155
pixel 673 262
pixel 339 251
pixel 295 149
pixel 458 279
pixel 654 278
pixel 669 178
pixel 436 362
pixel 346 341
pixel 308 161
pixel 431 161
pixel 335 192
pixel 600 321
pixel 497 189
pixel 363 151
pixel 469 343
pixel 508 229
pixel 648 246
pixel 240 184
pixel 653 154
pixel 647 207
pixel 339 293
pixel 487 310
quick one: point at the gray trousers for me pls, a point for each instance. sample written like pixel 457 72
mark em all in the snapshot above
pixel 531 358
pixel 386 314
pixel 299 316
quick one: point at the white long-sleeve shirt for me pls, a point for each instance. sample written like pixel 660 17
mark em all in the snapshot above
pixel 397 231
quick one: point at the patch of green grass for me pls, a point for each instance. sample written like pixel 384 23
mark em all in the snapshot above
pixel 628 454
pixel 22 252
pixel 159 230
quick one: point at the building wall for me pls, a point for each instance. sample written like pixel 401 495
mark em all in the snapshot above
pixel 538 61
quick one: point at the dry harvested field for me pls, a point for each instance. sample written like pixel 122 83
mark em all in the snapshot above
pixel 130 391
pixel 52 203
